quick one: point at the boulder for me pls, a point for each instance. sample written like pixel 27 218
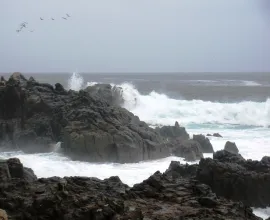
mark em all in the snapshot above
pixel 13 168
pixel 231 147
pixel 188 149
pixel 60 89
pixel 266 160
pixel 204 142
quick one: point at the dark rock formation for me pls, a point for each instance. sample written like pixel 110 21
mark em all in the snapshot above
pixel 231 147
pixel 204 142
pixel 232 177
pixel 217 135
pixel 180 145
pixel 111 94
pixel 266 160
pixel 172 132
pixel 226 156
pixel 87 123
pixel 214 135
pixel 13 168
pixel 165 196
pixel 177 170
pixel 90 125
pixel 188 149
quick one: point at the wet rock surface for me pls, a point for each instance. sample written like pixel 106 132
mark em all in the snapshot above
pixel 172 195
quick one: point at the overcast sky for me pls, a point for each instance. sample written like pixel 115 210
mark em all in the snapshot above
pixel 135 36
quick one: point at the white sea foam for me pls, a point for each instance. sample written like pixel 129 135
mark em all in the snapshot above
pixel 91 83
pixel 156 108
pixel 263 213
pixel 55 164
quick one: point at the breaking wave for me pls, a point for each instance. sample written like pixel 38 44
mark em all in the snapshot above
pixel 159 109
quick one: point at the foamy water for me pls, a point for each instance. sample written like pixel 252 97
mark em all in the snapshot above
pixel 245 123
pixel 56 164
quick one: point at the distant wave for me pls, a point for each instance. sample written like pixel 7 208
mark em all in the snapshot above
pixel 251 83
pixel 224 82
pixel 159 109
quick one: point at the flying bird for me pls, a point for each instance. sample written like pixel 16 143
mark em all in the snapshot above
pixel 64 18
pixel 41 19
pixel 68 15
pixel 53 19
pixel 23 25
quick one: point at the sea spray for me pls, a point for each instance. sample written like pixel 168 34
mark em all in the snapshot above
pixel 75 82
pixel 159 109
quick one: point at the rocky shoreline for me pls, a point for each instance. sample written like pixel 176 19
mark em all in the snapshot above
pixel 91 125
pixel 175 194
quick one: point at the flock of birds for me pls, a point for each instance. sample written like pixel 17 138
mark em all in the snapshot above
pixel 25 24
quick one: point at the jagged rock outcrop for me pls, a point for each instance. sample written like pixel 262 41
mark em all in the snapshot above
pixel 167 196
pixel 111 94
pixel 231 147
pixel 188 149
pixel 226 156
pixel 90 125
pixel 179 143
pixel 177 170
pixel 13 168
pixel 204 142
pixel 231 176
pixel 172 132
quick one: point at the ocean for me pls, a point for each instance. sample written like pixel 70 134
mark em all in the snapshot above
pixel 236 105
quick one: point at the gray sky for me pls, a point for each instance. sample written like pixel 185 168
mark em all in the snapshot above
pixel 135 36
